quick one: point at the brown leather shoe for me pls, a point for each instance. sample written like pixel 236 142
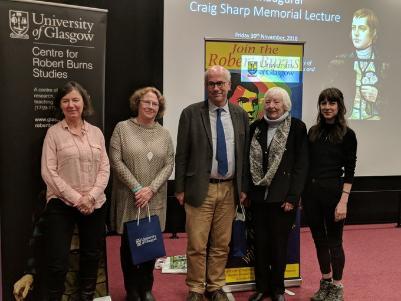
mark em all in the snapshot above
pixel 194 296
pixel 218 295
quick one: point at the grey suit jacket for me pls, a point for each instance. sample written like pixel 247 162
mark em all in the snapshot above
pixel 195 151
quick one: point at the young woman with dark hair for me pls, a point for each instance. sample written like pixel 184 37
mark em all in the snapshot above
pixel 332 160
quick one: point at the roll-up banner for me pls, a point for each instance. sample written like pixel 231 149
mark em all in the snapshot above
pixel 255 67
pixel 43 45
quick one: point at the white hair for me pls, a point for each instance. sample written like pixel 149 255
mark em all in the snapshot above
pixel 283 94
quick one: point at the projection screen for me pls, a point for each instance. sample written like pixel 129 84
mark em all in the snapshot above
pixel 353 45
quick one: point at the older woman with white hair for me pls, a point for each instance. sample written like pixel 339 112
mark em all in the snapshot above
pixel 278 158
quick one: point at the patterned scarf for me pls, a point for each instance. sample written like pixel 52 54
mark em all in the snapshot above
pixel 277 148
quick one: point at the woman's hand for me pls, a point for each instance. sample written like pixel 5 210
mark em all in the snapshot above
pixel 341 211
pixel 22 287
pixel 287 206
pixel 180 196
pixel 86 205
pixel 143 196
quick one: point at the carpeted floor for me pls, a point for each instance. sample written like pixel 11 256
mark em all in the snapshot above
pixel 372 268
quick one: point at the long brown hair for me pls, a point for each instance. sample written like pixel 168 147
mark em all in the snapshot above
pixel 336 134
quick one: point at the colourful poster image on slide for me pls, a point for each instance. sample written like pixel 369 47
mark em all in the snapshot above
pixel 257 66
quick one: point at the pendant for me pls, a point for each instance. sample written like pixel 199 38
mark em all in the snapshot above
pixel 150 156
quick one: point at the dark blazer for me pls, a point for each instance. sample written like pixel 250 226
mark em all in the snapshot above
pixel 193 160
pixel 289 180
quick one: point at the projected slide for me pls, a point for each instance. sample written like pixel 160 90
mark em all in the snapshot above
pixel 352 45
pixel 362 73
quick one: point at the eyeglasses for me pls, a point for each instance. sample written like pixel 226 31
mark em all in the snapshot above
pixel 149 103
pixel 217 84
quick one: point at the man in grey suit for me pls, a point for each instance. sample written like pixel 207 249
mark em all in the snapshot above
pixel 211 167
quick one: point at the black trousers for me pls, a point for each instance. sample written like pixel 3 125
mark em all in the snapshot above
pixel 272 228
pixel 319 200
pixel 138 279
pixel 60 222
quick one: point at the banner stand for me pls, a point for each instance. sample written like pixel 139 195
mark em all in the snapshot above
pixel 43 46
pixel 250 286
pixel 255 67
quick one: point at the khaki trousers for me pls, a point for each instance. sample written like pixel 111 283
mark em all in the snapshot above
pixel 209 233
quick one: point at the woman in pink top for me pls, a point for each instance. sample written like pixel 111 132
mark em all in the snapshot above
pixel 76 170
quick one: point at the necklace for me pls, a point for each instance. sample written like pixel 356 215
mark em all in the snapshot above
pixel 150 154
pixel 76 130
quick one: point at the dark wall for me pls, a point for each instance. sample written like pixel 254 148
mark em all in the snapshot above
pixel 134 54
pixel 375 200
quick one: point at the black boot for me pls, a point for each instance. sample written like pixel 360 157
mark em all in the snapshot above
pixel 133 296
pixel 278 297
pixel 130 272
pixel 147 296
pixel 146 274
pixel 258 296
pixel 87 289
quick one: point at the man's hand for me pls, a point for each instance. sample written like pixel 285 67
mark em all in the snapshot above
pixel 22 287
pixel 242 197
pixel 180 197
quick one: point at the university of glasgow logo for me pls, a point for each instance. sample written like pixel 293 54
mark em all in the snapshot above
pixel 19 24
pixel 138 242
pixel 252 68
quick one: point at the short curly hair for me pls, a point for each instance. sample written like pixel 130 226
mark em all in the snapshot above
pixel 283 94
pixel 67 88
pixel 138 94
